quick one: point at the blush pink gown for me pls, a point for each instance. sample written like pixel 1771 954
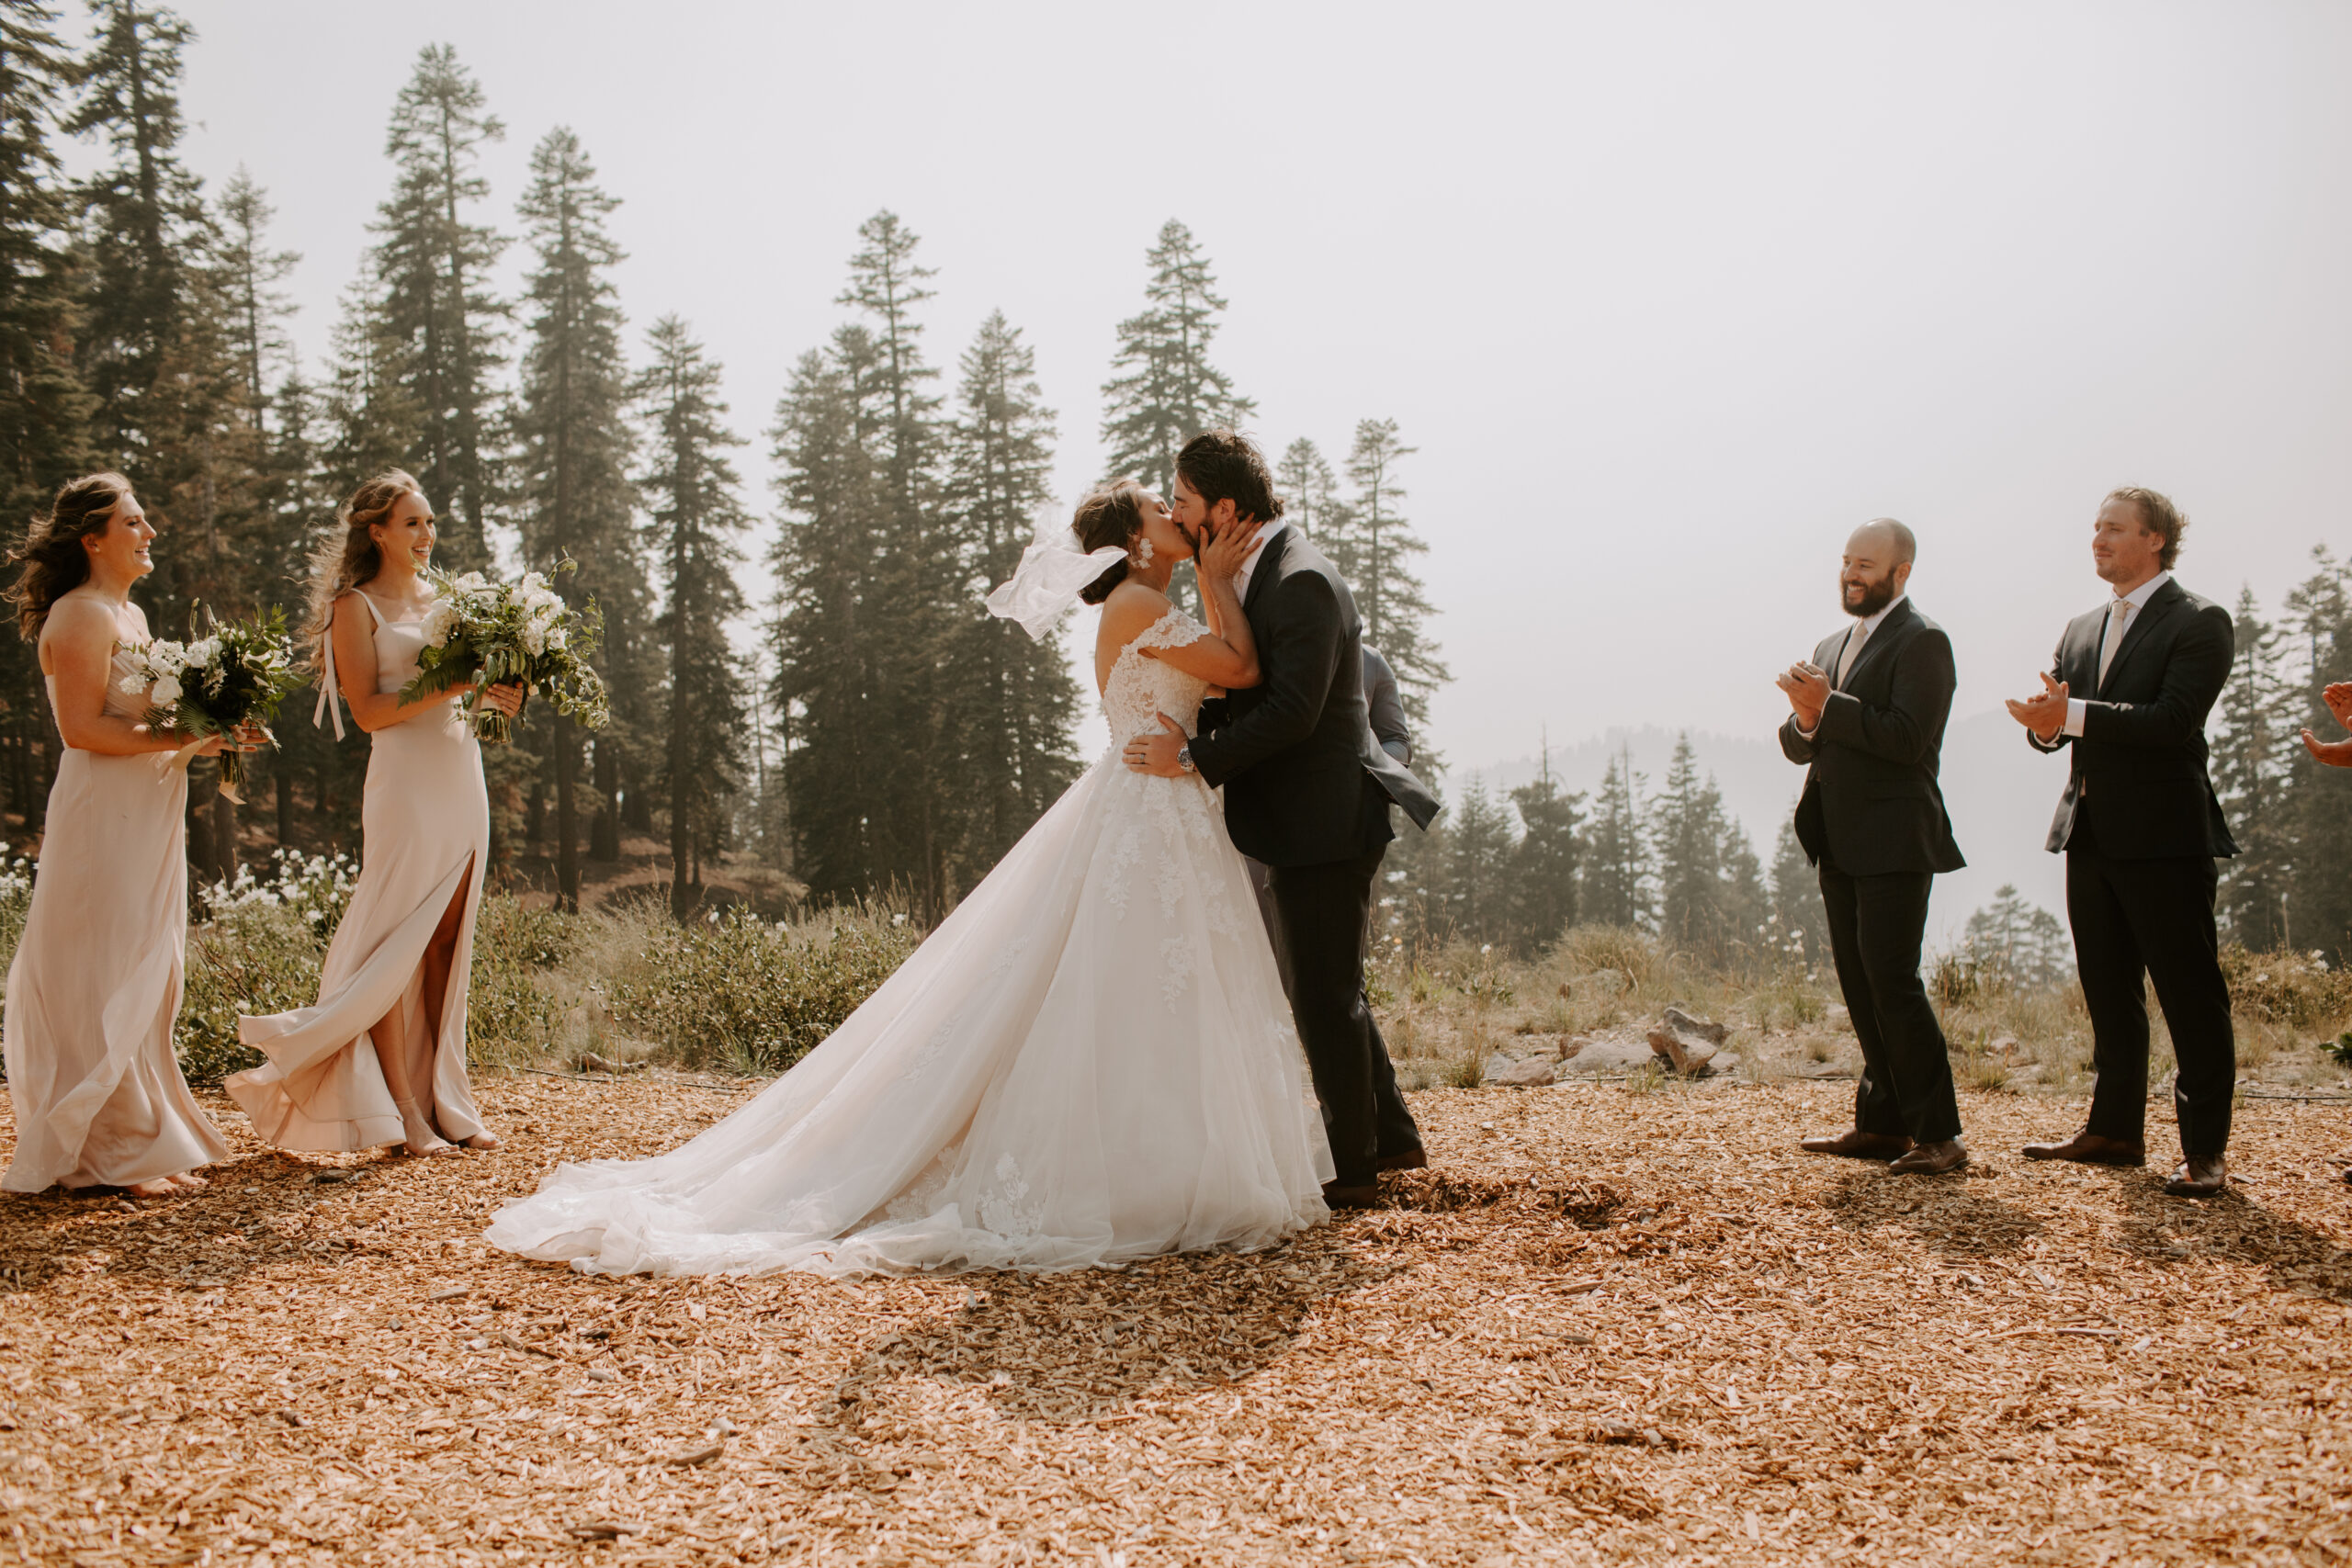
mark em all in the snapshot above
pixel 96 983
pixel 424 823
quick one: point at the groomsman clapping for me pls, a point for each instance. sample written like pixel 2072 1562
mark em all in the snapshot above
pixel 1868 715
pixel 2140 826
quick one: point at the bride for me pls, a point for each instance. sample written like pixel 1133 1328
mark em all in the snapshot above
pixel 1089 1061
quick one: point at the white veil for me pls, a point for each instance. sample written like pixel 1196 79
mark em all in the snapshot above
pixel 1052 571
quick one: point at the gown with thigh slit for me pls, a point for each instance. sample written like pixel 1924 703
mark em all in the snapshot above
pixel 425 826
pixel 1089 1061
pixel 96 983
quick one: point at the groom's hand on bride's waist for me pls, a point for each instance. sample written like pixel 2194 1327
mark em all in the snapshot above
pixel 1149 754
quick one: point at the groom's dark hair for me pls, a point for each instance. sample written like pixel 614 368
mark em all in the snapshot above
pixel 1225 465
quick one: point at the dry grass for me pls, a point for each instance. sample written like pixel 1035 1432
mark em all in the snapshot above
pixel 1605 1328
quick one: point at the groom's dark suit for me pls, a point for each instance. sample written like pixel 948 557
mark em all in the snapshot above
pixel 1872 819
pixel 1307 792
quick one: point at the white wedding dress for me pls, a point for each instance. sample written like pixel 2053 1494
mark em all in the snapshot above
pixel 1089 1061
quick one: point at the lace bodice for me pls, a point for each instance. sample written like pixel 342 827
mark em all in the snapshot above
pixel 1141 688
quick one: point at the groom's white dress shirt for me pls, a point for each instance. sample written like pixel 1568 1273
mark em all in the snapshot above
pixel 1855 637
pixel 1257 549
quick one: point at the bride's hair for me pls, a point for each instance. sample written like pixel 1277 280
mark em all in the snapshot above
pixel 346 556
pixel 1113 515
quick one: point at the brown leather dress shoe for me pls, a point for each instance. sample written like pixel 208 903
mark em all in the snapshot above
pixel 2198 1178
pixel 1857 1145
pixel 1938 1159
pixel 1410 1159
pixel 1339 1195
pixel 2090 1148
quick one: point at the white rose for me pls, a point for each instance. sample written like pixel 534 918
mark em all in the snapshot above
pixel 534 638
pixel 165 693
pixel 203 654
pixel 440 622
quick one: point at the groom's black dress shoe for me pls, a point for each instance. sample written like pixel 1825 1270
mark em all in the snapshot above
pixel 1339 1195
pixel 1410 1159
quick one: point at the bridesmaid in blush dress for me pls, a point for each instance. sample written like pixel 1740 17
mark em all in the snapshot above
pixel 381 1057
pixel 96 983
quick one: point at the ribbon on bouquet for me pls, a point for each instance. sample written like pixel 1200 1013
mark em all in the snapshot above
pixel 186 754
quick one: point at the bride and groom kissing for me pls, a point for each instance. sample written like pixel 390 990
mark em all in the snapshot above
pixel 1095 1058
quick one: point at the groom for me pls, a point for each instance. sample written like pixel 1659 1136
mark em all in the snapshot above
pixel 1307 792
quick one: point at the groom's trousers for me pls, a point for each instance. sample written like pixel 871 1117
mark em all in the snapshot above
pixel 1321 913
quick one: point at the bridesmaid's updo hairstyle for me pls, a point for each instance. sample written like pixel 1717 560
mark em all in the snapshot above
pixel 1111 515
pixel 51 556
pixel 346 555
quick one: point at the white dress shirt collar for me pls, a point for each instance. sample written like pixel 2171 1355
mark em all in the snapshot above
pixel 1257 551
pixel 2138 598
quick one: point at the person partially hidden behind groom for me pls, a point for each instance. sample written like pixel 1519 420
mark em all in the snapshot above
pixel 1307 792
pixel 2139 826
pixel 1867 712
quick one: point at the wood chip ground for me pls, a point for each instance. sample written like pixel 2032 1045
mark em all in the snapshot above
pixel 1606 1327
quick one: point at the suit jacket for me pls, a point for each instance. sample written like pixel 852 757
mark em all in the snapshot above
pixel 1385 707
pixel 2141 752
pixel 1871 801
pixel 1305 781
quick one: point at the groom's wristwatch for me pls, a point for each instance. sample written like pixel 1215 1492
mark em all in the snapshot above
pixel 1185 757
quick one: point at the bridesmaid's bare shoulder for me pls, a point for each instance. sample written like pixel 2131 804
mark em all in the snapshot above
pixel 83 621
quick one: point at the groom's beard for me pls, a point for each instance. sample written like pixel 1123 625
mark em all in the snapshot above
pixel 1876 596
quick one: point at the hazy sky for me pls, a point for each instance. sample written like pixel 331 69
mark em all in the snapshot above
pixel 1668 297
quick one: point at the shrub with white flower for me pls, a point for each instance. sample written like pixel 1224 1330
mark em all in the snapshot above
pixel 236 673
pixel 490 633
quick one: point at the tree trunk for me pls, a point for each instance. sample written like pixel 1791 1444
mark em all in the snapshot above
pixel 605 833
pixel 224 836
pixel 567 857
pixel 200 859
pixel 282 781
pixel 535 816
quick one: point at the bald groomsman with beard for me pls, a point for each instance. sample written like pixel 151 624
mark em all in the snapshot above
pixel 2140 826
pixel 1868 716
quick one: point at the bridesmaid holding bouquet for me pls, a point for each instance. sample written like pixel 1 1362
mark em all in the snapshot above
pixel 96 983
pixel 381 1058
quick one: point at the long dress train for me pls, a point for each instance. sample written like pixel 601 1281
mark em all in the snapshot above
pixel 424 825
pixel 96 983
pixel 1089 1061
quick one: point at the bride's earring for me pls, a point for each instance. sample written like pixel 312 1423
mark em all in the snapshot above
pixel 1143 546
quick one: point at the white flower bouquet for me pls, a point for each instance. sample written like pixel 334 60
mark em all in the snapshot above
pixel 235 673
pixel 490 633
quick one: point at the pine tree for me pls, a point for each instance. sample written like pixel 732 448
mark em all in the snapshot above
pixel 1479 845
pixel 1688 829
pixel 691 499
pixel 2020 941
pixel 1310 493
pixel 576 498
pixel 1799 915
pixel 45 410
pixel 2251 756
pixel 1381 546
pixel 144 219
pixel 828 636
pixel 250 273
pixel 916 599
pixel 1544 866
pixel 2316 803
pixel 1619 882
pixel 433 272
pixel 371 421
pixel 1015 702
pixel 1163 390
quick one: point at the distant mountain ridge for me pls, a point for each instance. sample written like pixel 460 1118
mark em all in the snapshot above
pixel 2000 792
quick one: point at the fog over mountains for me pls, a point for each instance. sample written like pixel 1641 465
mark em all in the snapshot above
pixel 2000 792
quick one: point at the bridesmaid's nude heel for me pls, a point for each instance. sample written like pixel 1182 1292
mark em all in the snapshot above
pixel 417 1128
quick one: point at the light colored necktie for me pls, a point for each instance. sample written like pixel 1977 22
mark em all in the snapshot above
pixel 1854 640
pixel 2119 616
